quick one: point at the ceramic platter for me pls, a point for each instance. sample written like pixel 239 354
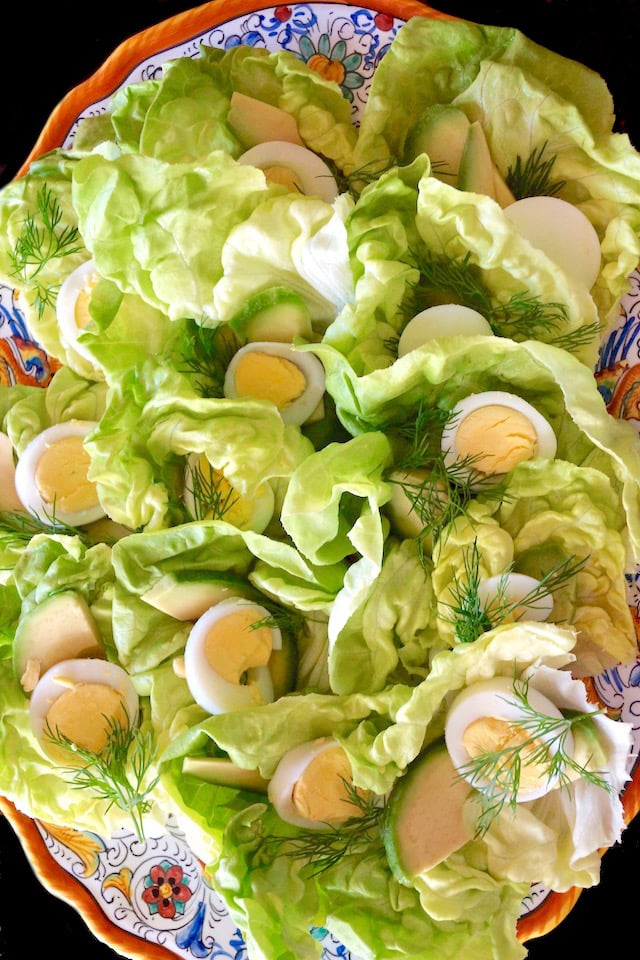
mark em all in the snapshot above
pixel 151 900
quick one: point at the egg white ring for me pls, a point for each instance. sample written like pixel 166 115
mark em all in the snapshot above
pixel 314 174
pixel 201 677
pixel 496 697
pixel 546 443
pixel 308 363
pixel 50 686
pixel 291 767
pixel 68 294
pixel 262 499
pixel 25 475
pixel 442 320
pixel 512 588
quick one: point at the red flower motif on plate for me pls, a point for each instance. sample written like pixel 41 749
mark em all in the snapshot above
pixel 165 890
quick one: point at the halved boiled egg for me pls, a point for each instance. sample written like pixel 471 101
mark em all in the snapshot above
pixel 208 495
pixel 291 379
pixel 309 788
pixel 227 654
pixel 9 499
pixel 487 717
pixel 52 475
pixel 81 700
pixel 72 305
pixel 293 166
pixel 562 231
pixel 490 433
pixel 442 320
pixel 514 596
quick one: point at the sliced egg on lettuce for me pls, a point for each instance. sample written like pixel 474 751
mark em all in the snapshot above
pixel 442 320
pixel 9 499
pixel 488 716
pixel 81 700
pixel 514 596
pixel 490 433
pixel 310 787
pixel 227 654
pixel 208 495
pixel 72 305
pixel 51 475
pixel 265 370
pixel 562 231
pixel 294 166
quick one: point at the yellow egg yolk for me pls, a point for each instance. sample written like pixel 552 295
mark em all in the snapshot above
pixel 495 439
pixel 81 713
pixel 233 644
pixel 489 734
pixel 320 793
pixel 284 176
pixel 268 377
pixel 61 476
pixel 81 313
pixel 216 498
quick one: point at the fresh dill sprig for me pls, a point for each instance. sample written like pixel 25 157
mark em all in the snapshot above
pixel 532 177
pixel 206 352
pixel 322 849
pixel 355 182
pixel 21 527
pixel 212 496
pixel 524 314
pixel 497 774
pixel 41 240
pixel 471 616
pixel 284 618
pixel 119 772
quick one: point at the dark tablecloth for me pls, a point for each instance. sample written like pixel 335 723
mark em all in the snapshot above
pixel 49 50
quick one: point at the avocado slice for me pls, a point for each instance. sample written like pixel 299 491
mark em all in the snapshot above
pixel 253 121
pixel 224 772
pixel 441 133
pixel 186 594
pixel 277 313
pixel 283 667
pixel 59 628
pixel 478 173
pixel 424 818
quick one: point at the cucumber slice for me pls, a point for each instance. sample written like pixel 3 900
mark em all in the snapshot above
pixel 424 819
pixel 185 595
pixel 60 628
pixel 283 667
pixel 478 173
pixel 277 313
pixel 224 772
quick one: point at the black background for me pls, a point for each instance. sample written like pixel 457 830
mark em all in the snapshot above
pixel 51 49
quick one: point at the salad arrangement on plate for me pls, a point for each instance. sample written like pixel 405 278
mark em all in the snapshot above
pixel 322 523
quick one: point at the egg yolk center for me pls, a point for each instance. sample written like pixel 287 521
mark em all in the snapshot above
pixel 81 313
pixel 267 377
pixel 61 475
pixel 81 713
pixel 321 793
pixel 493 734
pixel 278 173
pixel 235 644
pixel 495 439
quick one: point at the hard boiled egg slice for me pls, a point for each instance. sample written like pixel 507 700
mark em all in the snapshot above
pixel 81 700
pixel 442 320
pixel 208 495
pixel 514 596
pixel 52 475
pixel 265 370
pixel 72 305
pixel 309 786
pixel 9 499
pixel 560 230
pixel 226 657
pixel 487 716
pixel 293 166
pixel 491 433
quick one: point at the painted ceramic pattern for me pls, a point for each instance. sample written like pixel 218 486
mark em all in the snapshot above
pixel 157 890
